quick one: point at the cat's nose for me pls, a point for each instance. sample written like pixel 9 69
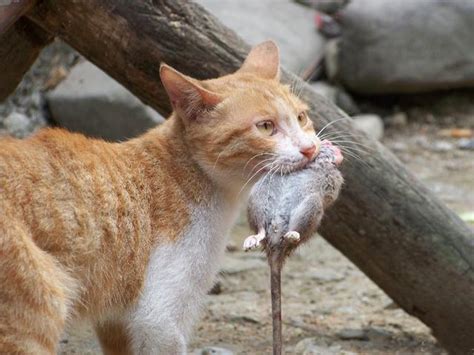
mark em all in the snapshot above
pixel 309 151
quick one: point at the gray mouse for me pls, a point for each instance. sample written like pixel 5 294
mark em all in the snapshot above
pixel 285 211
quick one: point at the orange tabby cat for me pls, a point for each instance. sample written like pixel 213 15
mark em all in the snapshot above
pixel 129 235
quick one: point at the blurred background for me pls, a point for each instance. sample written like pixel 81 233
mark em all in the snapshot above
pixel 403 70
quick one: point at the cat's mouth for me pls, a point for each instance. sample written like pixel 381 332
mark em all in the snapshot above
pixel 287 167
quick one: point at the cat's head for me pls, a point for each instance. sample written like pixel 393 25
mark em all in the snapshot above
pixel 243 124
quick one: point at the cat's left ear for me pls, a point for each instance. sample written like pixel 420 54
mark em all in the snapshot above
pixel 263 60
pixel 188 97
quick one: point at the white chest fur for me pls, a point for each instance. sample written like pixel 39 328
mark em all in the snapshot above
pixel 178 278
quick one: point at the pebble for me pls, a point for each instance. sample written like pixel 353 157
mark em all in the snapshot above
pixel 17 124
pixel 370 124
pixel 399 119
pixel 352 334
pixel 466 144
pixel 216 289
pixel 326 275
pixel 315 346
pixel 213 350
pixel 441 146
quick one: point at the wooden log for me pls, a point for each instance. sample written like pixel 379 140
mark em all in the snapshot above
pixel 11 11
pixel 19 48
pixel 417 250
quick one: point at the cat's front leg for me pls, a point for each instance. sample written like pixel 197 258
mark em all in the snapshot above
pixel 157 336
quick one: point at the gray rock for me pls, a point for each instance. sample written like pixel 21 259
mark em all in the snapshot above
pixel 466 144
pixel 337 96
pixel 213 350
pixel 353 334
pixel 441 146
pixel 423 45
pixel 398 119
pixel 287 23
pixel 17 125
pixel 372 125
pixel 91 102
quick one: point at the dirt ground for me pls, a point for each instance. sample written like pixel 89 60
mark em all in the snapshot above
pixel 329 306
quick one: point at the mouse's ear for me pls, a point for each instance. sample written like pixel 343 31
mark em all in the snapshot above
pixel 187 95
pixel 263 60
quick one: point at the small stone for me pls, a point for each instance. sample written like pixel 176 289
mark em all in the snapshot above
pixel 231 247
pixel 370 124
pixel 441 146
pixel 326 275
pixel 243 319
pixel 399 119
pixel 314 346
pixel 216 289
pixel 17 124
pixel 213 350
pixel 353 334
pixel 466 144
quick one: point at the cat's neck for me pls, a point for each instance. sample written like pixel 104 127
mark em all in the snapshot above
pixel 167 151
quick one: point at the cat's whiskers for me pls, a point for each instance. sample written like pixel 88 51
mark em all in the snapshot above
pixel 256 173
pixel 255 156
pixel 257 165
pixel 329 124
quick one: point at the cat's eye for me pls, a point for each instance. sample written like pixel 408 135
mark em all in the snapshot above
pixel 266 127
pixel 302 119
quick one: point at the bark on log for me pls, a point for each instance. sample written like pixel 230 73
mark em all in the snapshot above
pixel 19 48
pixel 11 11
pixel 417 250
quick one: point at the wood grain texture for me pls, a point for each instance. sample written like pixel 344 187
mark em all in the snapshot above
pixel 11 11
pixel 19 48
pixel 417 250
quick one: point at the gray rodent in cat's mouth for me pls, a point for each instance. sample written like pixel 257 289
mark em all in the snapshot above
pixel 286 210
pixel 282 207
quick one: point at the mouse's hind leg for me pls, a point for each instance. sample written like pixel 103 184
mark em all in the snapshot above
pixel 254 241
pixel 304 219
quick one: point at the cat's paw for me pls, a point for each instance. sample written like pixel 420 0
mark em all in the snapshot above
pixel 292 236
pixel 252 242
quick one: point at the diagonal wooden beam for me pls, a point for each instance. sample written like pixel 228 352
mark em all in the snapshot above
pixel 19 48
pixel 11 11
pixel 417 250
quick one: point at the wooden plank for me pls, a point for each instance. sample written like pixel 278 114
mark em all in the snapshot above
pixel 19 48
pixel 11 11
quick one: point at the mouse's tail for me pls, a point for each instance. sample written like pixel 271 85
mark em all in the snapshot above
pixel 275 287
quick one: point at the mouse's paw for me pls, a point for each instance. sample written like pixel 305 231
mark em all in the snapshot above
pixel 252 242
pixel 292 236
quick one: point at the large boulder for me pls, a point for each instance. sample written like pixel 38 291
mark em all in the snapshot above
pixel 289 24
pixel 91 102
pixel 406 46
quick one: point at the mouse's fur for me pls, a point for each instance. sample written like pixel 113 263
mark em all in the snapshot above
pixel 285 210
pixel 283 204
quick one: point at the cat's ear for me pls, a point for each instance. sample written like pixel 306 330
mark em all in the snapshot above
pixel 186 94
pixel 263 60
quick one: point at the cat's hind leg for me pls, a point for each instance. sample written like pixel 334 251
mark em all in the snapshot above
pixel 34 295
